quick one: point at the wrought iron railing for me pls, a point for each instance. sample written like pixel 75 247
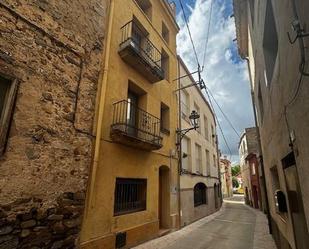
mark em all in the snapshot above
pixel 133 34
pixel 136 123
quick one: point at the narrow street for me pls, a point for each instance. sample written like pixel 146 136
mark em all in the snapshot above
pixel 235 226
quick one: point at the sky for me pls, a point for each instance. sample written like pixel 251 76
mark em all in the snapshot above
pixel 225 74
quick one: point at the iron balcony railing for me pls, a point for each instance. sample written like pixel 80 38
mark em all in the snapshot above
pixel 133 34
pixel 131 121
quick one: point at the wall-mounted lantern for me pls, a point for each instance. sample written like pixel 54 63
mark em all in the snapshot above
pixel 194 116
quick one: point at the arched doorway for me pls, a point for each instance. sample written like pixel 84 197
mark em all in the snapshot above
pixel 200 194
pixel 164 197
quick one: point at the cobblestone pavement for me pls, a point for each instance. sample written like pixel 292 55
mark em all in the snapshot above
pixel 235 226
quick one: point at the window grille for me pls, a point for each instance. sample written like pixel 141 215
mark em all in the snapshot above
pixel 130 195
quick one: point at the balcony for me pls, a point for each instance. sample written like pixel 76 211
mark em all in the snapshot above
pixel 139 52
pixel 135 127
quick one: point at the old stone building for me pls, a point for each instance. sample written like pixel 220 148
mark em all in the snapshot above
pixel 249 165
pixel 226 177
pixel 273 37
pixel 199 180
pixel 50 61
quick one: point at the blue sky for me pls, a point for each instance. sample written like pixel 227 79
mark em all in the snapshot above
pixel 225 73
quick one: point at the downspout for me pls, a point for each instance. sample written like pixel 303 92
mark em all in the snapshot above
pixel 103 84
pixel 259 147
pixel 219 170
pixel 179 147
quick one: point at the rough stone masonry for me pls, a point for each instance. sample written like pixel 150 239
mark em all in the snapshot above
pixel 54 50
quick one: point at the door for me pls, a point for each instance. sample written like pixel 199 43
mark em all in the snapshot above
pixel 132 114
pixel 255 196
pixel 296 207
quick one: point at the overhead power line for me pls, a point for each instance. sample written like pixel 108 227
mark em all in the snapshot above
pixel 207 34
pixel 219 125
pixel 189 31
pixel 225 116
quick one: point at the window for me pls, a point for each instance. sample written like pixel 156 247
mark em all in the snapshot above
pixel 185 146
pixel 214 161
pixel 132 113
pixel 253 171
pixel 165 32
pixel 165 118
pixel 130 195
pixel 213 135
pixel 146 7
pixel 8 89
pixel 261 105
pixel 198 159
pixel 185 104
pixel 275 182
pixel 270 42
pixel 206 128
pixel 165 64
pixel 197 109
pixel 200 194
pixel 208 162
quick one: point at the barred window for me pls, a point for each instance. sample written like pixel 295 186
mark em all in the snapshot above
pixel 200 194
pixel 130 195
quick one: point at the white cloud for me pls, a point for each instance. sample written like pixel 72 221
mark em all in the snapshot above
pixel 227 80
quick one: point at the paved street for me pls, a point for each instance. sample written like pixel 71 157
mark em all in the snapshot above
pixel 235 226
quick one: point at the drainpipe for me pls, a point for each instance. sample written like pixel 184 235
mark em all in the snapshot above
pixel 219 171
pixel 259 146
pixel 100 110
pixel 179 147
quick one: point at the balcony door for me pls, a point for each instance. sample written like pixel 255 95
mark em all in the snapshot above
pixel 132 113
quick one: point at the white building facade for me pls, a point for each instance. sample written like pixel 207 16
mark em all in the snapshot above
pixel 199 181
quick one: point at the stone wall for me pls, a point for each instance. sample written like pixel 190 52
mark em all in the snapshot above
pixel 54 49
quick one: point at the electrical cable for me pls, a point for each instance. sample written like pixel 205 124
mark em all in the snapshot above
pixel 207 34
pixel 220 128
pixel 189 31
pixel 225 116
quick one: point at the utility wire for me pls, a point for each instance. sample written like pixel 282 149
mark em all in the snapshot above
pixel 189 31
pixel 220 128
pixel 225 116
pixel 207 34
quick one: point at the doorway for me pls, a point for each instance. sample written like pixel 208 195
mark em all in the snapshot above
pixel 132 113
pixel 255 197
pixel 295 202
pixel 164 197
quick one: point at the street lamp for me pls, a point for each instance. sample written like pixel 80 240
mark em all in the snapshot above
pixel 194 116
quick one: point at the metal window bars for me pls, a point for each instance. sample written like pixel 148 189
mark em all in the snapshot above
pixel 130 195
pixel 137 123
pixel 132 33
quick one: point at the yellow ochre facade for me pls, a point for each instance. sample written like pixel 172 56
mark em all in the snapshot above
pixel 132 194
